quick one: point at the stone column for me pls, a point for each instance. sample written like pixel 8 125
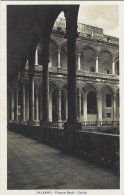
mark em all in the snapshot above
pixel 59 109
pixel 37 107
pixel 50 107
pixel 71 35
pixel 66 106
pixel 45 98
pixel 79 61
pixel 36 57
pixel 23 121
pixel 59 59
pixel 31 98
pixel 79 97
pixel 16 104
pixel 11 105
pixel 114 109
pixel 113 66
pixel 97 64
pixel 85 107
pixel 99 110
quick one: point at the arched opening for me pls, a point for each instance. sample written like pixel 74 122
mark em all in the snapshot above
pixel 53 53
pixel 107 103
pixel 88 59
pixel 60 58
pixel 54 60
pixel 105 62
pixel 91 63
pixel 64 57
pixel 91 103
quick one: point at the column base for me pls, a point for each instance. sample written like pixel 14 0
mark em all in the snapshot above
pixel 23 122
pixel 37 122
pixel 73 125
pixel 60 124
pixel 99 122
pixel 31 122
pixel 16 121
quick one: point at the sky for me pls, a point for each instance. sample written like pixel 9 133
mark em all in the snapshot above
pixel 104 16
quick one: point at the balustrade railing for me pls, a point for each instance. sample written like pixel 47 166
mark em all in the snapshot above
pixel 56 124
pixel 55 137
pixel 86 123
pixel 89 123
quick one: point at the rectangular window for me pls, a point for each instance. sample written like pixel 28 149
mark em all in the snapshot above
pixel 108 115
pixel 92 69
pixel 108 100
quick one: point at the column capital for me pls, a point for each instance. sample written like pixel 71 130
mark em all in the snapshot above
pixel 114 96
pixel 85 95
pixel 79 94
pixel 97 57
pixel 99 97
pixel 113 60
pixel 37 92
pixel 60 93
pixel 78 54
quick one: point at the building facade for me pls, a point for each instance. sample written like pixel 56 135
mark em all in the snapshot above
pixel 97 62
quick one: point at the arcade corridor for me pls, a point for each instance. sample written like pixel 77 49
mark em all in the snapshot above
pixel 32 165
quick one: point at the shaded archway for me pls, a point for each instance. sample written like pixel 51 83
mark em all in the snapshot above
pixel 107 103
pixel 88 56
pixel 91 103
pixel 105 62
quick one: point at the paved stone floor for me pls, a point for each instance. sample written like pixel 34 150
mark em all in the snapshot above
pixel 32 165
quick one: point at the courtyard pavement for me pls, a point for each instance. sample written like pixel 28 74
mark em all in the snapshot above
pixel 32 165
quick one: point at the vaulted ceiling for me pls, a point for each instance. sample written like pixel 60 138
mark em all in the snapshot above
pixel 26 26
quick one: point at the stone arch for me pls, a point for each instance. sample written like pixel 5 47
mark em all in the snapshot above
pixel 105 61
pixel 109 86
pixel 89 84
pixel 63 43
pixel 116 55
pixel 55 84
pixel 107 94
pixel 88 58
pixel 117 90
pixel 64 84
pixel 108 50
pixel 55 41
pixel 90 46
pixel 90 99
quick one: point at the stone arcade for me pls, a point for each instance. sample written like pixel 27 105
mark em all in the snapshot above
pixel 37 92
